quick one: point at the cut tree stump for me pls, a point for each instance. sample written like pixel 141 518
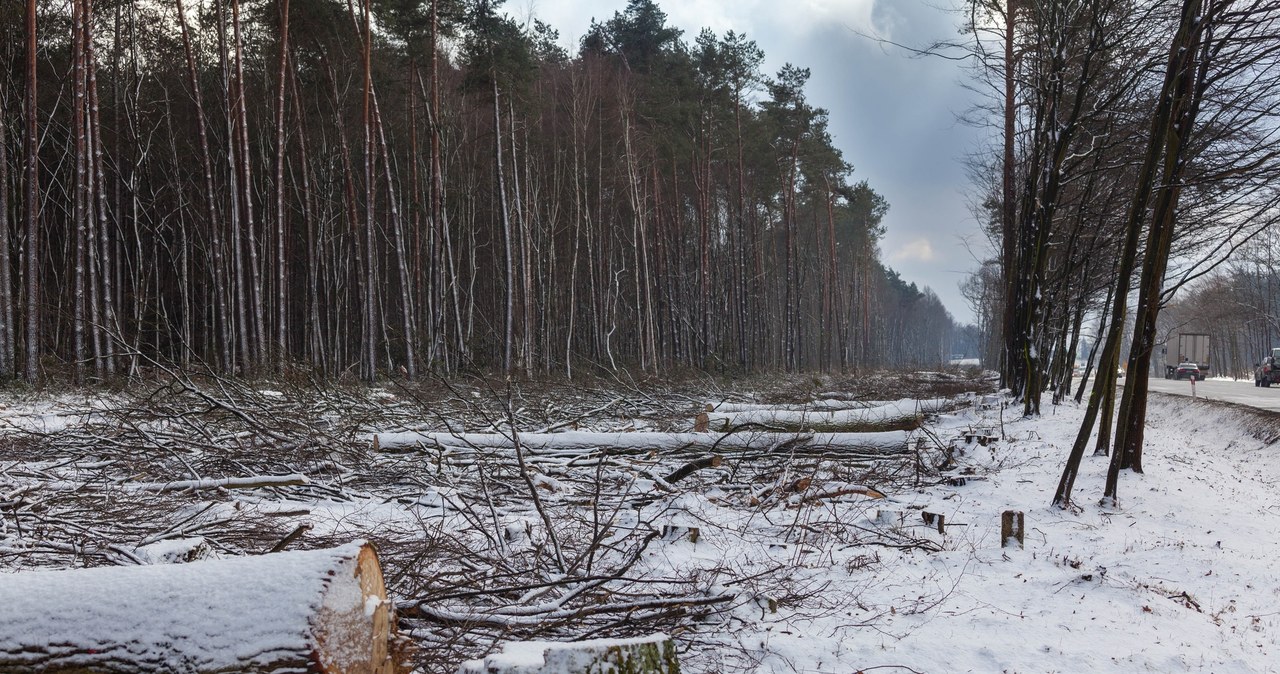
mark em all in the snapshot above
pixel 1013 527
pixel 646 655
pixel 322 611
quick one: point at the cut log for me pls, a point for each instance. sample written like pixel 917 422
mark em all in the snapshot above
pixel 692 467
pixel 926 406
pixel 311 611
pixel 578 443
pixel 257 482
pixel 646 655
pixel 905 414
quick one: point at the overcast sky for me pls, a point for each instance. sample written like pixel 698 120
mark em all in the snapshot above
pixel 894 117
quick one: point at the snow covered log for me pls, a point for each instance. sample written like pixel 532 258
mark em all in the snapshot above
pixel 578 443
pixel 646 655
pixel 322 611
pixel 900 415
pixel 926 406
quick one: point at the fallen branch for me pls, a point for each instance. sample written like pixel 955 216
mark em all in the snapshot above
pixel 256 482
pixel 692 467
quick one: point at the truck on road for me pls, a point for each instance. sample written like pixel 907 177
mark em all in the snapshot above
pixel 1183 348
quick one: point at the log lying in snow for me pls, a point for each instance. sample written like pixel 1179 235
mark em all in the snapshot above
pixel 223 483
pixel 255 482
pixel 928 406
pixel 646 655
pixel 313 611
pixel 903 414
pixel 579 443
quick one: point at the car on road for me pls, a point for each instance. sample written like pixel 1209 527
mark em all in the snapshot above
pixel 1187 371
pixel 1266 373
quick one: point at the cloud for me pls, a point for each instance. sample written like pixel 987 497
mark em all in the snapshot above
pixel 755 17
pixel 917 250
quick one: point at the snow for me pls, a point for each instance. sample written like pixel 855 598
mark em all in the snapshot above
pixel 1180 576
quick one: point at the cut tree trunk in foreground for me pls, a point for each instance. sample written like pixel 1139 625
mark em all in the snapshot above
pixel 645 655
pixel 312 611
pixel 578 443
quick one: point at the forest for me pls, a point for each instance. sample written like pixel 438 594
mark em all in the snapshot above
pixel 391 187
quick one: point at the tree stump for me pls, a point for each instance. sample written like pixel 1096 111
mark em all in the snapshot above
pixel 1012 528
pixel 646 655
pixel 322 611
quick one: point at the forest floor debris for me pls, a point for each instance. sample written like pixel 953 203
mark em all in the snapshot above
pixel 781 561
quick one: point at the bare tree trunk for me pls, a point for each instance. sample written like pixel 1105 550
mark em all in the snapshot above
pixel 282 295
pixel 8 331
pixel 439 215
pixel 1011 364
pixel 222 315
pixel 32 212
pixel 578 108
pixel 369 352
pixel 259 353
pixel 525 247
pixel 789 355
pixel 740 240
pixel 79 199
pixel 508 267
pixel 108 328
pixel 408 322
pixel 242 326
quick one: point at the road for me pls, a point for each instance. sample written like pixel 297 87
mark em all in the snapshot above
pixel 1241 392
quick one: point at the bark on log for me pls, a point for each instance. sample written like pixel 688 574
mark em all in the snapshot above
pixel 321 611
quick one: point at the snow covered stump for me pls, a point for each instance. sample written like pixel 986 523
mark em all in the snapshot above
pixel 310 611
pixel 654 654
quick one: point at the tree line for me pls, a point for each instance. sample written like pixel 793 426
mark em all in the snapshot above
pixel 1137 155
pixel 378 188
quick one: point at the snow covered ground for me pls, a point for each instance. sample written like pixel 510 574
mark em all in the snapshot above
pixel 779 566
pixel 1181 578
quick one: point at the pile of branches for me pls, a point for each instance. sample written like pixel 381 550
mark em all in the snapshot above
pixel 494 545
